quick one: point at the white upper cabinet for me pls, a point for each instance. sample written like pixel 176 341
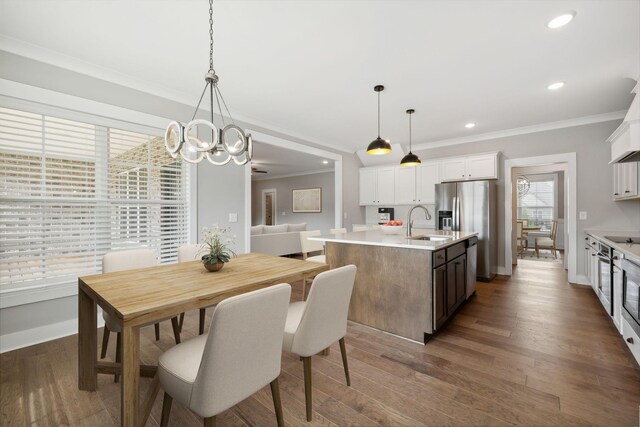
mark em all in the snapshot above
pixel 377 186
pixel 471 168
pixel 385 187
pixel 405 185
pixel 625 181
pixel 453 169
pixel 368 186
pixel 427 177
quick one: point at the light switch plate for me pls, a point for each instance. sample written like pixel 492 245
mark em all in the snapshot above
pixel 233 217
pixel 583 215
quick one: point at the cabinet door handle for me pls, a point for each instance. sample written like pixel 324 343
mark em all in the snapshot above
pixel 630 340
pixel 615 258
pixel 616 194
pixel 593 254
pixel 627 191
pixel 586 238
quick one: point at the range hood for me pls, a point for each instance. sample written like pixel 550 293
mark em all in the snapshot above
pixel 625 140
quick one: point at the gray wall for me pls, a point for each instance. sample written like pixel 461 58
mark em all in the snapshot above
pixel 323 221
pixel 594 175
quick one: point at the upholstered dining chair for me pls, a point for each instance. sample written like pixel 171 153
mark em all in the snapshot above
pixel 313 325
pixel 360 228
pixel 548 242
pixel 127 259
pixel 337 230
pixel 239 355
pixel 188 253
pixel 311 246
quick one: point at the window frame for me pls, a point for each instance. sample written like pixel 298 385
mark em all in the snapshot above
pixel 542 178
pixel 42 101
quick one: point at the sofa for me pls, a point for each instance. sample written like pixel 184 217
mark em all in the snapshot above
pixel 283 239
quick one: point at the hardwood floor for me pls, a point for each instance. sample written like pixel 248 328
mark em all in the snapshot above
pixel 527 350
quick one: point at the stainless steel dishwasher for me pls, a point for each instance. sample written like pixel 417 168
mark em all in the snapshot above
pixel 472 265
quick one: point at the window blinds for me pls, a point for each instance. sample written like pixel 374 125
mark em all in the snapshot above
pixel 71 191
pixel 537 205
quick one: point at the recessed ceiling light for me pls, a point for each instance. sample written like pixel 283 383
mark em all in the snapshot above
pixel 325 162
pixel 470 125
pixel 555 86
pixel 561 20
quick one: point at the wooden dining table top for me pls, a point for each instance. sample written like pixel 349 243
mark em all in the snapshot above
pixel 144 295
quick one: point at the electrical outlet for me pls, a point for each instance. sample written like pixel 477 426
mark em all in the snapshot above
pixel 583 215
pixel 233 217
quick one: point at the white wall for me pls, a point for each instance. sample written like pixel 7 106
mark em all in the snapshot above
pixel 594 175
pixel 323 221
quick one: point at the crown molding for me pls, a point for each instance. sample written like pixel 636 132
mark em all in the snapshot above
pixel 542 127
pixel 289 175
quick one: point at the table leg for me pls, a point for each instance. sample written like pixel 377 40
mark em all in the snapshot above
pixel 129 402
pixel 87 341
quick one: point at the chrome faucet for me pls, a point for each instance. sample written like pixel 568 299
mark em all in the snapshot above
pixel 410 222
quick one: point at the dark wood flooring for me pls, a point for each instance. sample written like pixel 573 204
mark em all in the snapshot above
pixel 527 350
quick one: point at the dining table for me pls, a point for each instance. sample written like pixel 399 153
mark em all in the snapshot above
pixel 145 296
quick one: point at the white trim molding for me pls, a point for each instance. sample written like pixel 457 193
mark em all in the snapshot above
pixel 542 127
pixel 289 175
pixel 570 214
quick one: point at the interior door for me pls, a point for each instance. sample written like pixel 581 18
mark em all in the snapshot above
pixel 268 209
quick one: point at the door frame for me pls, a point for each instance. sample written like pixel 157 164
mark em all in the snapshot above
pixel 296 146
pixel 570 211
pixel 273 202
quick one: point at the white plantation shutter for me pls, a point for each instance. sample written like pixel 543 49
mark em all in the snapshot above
pixel 537 205
pixel 71 191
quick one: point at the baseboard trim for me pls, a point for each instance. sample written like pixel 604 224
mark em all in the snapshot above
pixel 29 337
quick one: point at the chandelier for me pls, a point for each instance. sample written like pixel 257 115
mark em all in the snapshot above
pixel 523 185
pixel 225 143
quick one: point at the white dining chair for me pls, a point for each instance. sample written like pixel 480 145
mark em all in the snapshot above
pixel 313 325
pixel 188 253
pixel 311 246
pixel 548 242
pixel 360 228
pixel 128 259
pixel 337 230
pixel 239 355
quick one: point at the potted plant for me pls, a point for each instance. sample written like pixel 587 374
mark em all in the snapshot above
pixel 217 247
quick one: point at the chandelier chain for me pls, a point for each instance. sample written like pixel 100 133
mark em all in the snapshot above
pixel 211 37
pixel 378 115
pixel 409 132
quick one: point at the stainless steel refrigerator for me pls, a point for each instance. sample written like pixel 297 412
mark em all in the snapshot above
pixel 471 206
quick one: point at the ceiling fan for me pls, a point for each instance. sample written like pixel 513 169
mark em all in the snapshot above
pixel 256 170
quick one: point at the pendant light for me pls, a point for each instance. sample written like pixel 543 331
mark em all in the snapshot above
pixel 379 146
pixel 226 143
pixel 410 159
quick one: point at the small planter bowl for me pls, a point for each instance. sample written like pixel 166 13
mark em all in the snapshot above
pixel 214 267
pixel 392 229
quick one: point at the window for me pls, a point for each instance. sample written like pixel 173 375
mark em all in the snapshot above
pixel 71 191
pixel 537 205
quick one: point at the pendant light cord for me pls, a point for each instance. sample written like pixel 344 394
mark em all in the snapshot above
pixel 409 133
pixel 378 114
pixel 211 37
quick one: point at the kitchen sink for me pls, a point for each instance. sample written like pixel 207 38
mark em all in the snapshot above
pixel 621 239
pixel 431 238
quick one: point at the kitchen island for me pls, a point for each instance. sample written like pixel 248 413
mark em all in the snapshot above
pixel 405 286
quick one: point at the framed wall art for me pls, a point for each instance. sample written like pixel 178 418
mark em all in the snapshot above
pixel 307 200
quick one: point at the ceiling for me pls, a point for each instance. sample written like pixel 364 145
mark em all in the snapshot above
pixel 279 162
pixel 307 68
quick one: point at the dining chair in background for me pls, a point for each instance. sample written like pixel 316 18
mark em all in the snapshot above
pixel 188 253
pixel 522 243
pixel 548 242
pixel 313 325
pixel 239 355
pixel 128 259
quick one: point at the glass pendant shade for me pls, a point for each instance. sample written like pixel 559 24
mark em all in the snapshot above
pixel 379 146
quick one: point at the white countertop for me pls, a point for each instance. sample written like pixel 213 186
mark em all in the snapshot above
pixel 630 251
pixel 378 238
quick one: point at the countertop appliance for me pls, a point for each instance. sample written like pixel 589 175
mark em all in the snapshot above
pixel 472 264
pixel 471 206
pixel 631 294
pixel 385 215
pixel 604 280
